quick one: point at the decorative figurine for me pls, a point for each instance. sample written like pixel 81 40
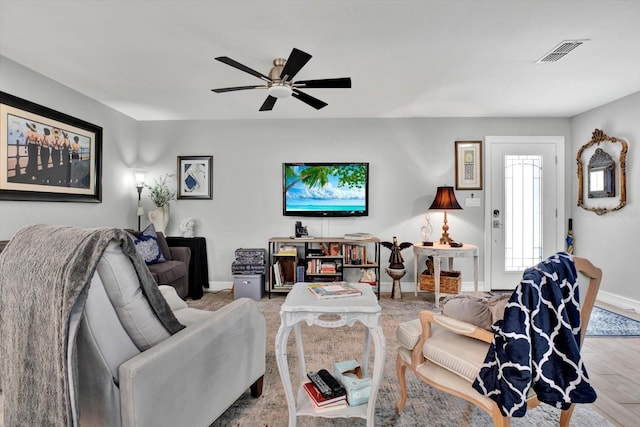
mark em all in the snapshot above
pixel 426 231
pixel 186 226
pixel 396 268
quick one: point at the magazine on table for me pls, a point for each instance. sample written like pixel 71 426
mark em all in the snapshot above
pixel 333 290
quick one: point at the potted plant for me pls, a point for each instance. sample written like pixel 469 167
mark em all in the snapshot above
pixel 160 195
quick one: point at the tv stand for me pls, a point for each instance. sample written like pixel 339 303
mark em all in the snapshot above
pixel 321 259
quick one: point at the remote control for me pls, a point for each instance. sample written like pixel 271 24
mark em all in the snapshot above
pixel 336 388
pixel 322 387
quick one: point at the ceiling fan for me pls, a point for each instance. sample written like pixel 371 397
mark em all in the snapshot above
pixel 280 84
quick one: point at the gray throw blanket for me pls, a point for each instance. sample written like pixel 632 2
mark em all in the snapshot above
pixel 45 272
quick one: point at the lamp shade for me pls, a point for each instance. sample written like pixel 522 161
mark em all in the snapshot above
pixel 140 175
pixel 445 199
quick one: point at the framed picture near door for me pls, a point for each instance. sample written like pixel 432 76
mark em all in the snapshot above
pixel 195 177
pixel 468 165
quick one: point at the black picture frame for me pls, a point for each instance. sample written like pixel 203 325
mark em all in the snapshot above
pixel 73 156
pixel 195 177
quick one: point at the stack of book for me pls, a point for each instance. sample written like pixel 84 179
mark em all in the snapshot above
pixel 357 236
pixel 321 403
pixel 249 261
pixel 285 250
pixel 328 267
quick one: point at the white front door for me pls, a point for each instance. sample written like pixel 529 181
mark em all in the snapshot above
pixel 524 205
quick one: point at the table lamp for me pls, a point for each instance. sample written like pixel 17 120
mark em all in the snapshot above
pixel 445 200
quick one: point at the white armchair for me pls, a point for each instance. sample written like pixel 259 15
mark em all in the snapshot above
pixel 448 354
pixel 189 378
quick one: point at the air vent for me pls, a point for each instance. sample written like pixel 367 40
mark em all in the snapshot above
pixel 560 51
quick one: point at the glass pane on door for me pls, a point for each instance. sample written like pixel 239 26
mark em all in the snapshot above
pixel 523 211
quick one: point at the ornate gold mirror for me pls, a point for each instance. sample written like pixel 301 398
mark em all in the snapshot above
pixel 604 177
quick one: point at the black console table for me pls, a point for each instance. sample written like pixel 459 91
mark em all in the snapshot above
pixel 198 265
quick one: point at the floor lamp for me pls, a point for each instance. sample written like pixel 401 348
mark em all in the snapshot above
pixel 139 186
pixel 445 200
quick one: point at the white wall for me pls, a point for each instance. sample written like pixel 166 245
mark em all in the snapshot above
pixel 609 240
pixel 119 196
pixel 408 159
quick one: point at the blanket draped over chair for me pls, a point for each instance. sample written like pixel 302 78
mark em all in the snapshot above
pixel 538 342
pixel 45 272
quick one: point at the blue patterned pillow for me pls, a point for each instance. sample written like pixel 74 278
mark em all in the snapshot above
pixel 147 245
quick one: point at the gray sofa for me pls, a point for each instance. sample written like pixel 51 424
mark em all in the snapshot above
pixel 175 270
pixel 132 373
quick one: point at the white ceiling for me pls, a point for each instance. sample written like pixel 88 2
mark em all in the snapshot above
pixel 154 60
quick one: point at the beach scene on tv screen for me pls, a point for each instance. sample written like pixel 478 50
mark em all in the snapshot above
pixel 331 188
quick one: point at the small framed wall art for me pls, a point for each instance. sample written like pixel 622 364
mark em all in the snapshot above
pixel 46 155
pixel 195 177
pixel 468 165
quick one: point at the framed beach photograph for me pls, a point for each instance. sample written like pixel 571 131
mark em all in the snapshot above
pixel 468 165
pixel 46 155
pixel 195 177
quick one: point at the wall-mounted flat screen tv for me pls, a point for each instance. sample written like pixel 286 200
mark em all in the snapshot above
pixel 325 189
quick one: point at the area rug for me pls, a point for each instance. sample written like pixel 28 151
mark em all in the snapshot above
pixel 605 323
pixel 425 406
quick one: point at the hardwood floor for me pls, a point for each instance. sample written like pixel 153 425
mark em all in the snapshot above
pixel 613 365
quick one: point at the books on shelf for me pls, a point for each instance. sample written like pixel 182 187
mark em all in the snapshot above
pixel 321 403
pixel 319 266
pixel 333 290
pixel 300 271
pixel 357 236
pixel 355 254
pixel 277 274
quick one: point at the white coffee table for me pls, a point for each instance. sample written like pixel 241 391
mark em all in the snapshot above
pixel 300 305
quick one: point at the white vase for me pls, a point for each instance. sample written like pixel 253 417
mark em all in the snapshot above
pixel 159 217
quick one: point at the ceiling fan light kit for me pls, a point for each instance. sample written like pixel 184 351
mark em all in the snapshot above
pixel 279 90
pixel 280 82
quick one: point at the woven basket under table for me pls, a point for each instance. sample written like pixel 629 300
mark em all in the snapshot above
pixel 450 282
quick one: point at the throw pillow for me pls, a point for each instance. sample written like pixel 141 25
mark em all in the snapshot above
pixel 147 245
pixel 482 312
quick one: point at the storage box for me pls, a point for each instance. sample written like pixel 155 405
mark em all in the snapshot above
pixel 248 286
pixel 450 282
pixel 349 374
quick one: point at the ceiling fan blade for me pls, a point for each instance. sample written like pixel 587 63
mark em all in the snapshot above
pixel 308 99
pixel 231 89
pixel 297 59
pixel 239 66
pixel 268 103
pixel 339 83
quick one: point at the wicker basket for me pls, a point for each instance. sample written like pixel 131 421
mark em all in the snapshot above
pixel 450 282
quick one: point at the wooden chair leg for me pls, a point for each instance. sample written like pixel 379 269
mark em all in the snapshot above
pixel 256 388
pixel 401 370
pixel 565 416
pixel 499 420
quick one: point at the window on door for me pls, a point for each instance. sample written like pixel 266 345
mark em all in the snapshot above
pixel 523 211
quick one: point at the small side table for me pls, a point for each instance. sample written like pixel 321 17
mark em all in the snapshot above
pixel 443 251
pixel 198 265
pixel 300 305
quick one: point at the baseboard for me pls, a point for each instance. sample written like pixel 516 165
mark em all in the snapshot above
pixel 384 286
pixel 619 301
pixel 218 286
